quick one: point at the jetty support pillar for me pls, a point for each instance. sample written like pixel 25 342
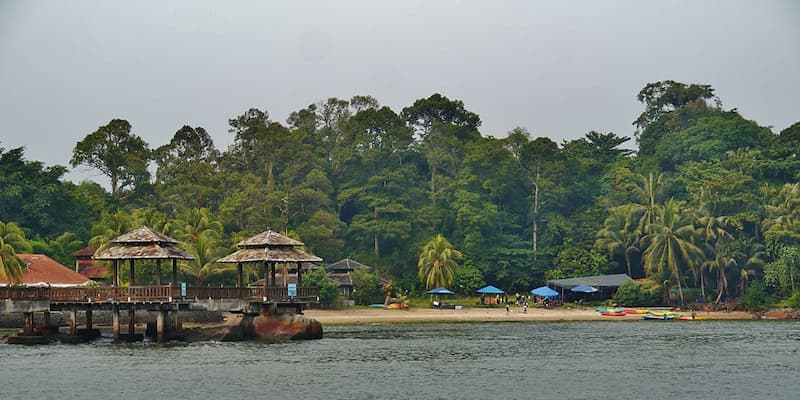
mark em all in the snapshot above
pixel 115 322
pixel 73 321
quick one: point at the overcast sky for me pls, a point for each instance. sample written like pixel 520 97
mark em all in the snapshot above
pixel 557 68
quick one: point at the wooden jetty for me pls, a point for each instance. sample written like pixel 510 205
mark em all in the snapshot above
pixel 167 300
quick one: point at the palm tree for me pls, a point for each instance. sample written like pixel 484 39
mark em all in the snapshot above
pixel 619 235
pixel 437 263
pixel 669 245
pixel 197 222
pixel 712 237
pixel 12 240
pixel 649 191
pixel 109 227
pixel 206 252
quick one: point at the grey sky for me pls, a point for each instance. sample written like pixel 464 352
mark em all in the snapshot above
pixel 557 68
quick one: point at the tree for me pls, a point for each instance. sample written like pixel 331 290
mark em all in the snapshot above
pixel 206 251
pixel 663 97
pixel 619 235
pixel 328 290
pixel 117 154
pixel 35 197
pixel 437 263
pixel 649 191
pixel 668 245
pixel 12 241
pixel 366 287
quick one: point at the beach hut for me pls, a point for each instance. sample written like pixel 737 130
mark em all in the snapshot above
pixel 340 273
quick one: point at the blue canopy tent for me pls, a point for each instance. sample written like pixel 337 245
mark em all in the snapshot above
pixel 440 290
pixel 545 291
pixel 584 289
pixel 490 290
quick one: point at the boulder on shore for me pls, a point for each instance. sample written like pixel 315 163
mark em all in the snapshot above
pixel 267 326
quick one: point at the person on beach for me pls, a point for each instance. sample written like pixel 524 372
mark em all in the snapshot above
pixel 508 309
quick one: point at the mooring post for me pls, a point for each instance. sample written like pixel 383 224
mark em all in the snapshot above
pixel 115 322
pixel 73 321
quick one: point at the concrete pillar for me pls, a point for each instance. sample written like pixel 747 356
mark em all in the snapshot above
pixel 131 322
pixel 89 318
pixel 73 321
pixel 158 272
pixel 115 322
pixel 115 278
pixel 176 319
pixel 27 323
pixel 46 320
pixel 160 325
pixel 174 272
pixel 133 276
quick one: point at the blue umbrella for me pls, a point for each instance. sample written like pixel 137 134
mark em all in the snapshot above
pixel 490 290
pixel 584 289
pixel 545 291
pixel 440 290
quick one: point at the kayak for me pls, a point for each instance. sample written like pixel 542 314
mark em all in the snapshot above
pixel 636 311
pixel 613 313
pixel 663 313
pixel 666 317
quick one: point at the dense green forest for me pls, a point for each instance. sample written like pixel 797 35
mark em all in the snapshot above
pixel 709 201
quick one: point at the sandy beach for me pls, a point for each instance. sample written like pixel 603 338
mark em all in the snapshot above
pixel 418 315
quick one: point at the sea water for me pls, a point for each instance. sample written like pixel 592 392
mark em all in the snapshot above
pixel 514 360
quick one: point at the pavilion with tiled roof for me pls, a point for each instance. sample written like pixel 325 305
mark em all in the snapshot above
pixel 340 273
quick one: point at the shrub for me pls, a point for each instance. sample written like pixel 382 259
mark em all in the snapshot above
pixel 628 294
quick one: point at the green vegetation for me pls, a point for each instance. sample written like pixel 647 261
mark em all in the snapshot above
pixel 709 201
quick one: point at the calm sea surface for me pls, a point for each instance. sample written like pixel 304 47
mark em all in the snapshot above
pixel 533 360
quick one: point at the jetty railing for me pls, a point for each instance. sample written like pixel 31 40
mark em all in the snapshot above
pixel 160 293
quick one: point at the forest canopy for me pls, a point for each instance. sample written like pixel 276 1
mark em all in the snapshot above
pixel 709 200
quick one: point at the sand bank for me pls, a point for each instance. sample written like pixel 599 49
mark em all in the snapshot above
pixel 416 315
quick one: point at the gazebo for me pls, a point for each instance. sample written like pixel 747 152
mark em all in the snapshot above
pixel 268 248
pixel 142 244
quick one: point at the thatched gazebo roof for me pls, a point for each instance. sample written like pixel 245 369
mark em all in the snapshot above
pixel 269 246
pixel 143 243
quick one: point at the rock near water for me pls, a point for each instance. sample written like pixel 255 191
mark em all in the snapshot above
pixel 268 327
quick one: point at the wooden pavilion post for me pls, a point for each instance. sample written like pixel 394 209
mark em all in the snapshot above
pixel 266 280
pixel 272 273
pixel 133 277
pixel 158 272
pixel 174 272
pixel 299 274
pixel 239 276
pixel 115 278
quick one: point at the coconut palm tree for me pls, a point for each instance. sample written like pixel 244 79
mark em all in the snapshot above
pixel 197 222
pixel 437 263
pixel 12 241
pixel 109 227
pixel 649 190
pixel 620 235
pixel 206 252
pixel 669 246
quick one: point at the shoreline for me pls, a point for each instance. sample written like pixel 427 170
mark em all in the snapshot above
pixel 361 316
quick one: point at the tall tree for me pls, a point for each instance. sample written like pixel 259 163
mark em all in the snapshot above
pixel 669 248
pixel 438 263
pixel 620 235
pixel 116 153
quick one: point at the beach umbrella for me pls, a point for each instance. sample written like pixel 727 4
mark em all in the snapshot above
pixel 584 289
pixel 440 290
pixel 545 291
pixel 490 290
